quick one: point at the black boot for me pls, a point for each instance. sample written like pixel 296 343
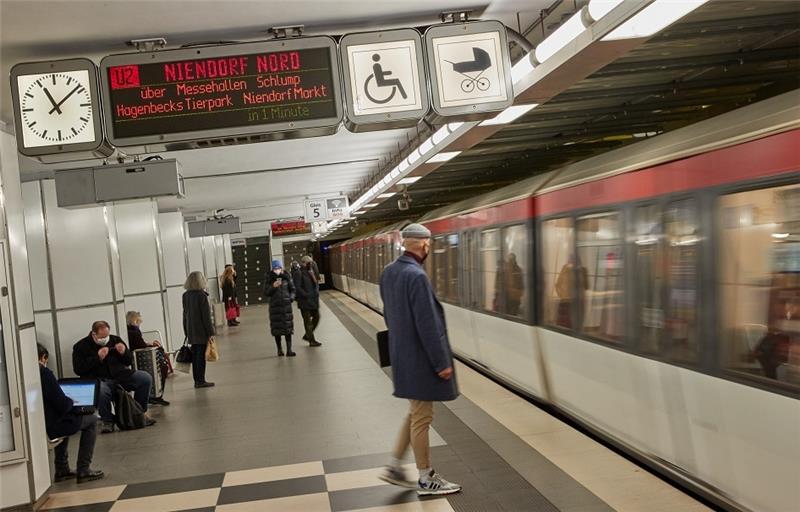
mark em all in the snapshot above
pixel 64 474
pixel 89 475
pixel 289 349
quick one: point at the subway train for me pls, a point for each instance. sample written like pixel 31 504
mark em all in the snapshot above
pixel 651 294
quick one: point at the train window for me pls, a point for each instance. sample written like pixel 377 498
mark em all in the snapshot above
pixel 682 238
pixel 601 308
pixel 558 261
pixel 514 282
pixel 650 271
pixel 490 262
pixel 452 268
pixel 471 282
pixel 760 283
pixel 440 266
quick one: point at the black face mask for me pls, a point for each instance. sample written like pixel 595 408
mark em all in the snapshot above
pixel 425 256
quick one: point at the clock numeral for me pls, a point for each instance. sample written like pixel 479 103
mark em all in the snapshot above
pixel 44 134
pixel 74 132
pixel 59 134
pixel 31 125
pixel 86 104
pixel 84 119
pixel 29 95
pixel 27 110
pixel 54 79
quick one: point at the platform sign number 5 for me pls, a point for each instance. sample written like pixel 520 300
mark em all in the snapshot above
pixel 315 210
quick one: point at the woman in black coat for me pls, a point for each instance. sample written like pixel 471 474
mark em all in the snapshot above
pixel 279 288
pixel 197 325
pixel 228 283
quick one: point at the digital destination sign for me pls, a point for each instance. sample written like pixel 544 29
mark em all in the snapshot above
pixel 222 91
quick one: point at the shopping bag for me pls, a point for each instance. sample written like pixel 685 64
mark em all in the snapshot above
pixel 383 349
pixel 212 354
pixel 232 311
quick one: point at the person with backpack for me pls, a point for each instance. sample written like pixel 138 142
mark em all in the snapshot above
pixel 61 421
pixel 104 356
pixel 280 291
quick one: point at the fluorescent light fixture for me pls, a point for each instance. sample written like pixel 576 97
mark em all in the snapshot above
pixel 599 8
pixel 454 126
pixel 371 205
pixel 563 35
pixel 510 114
pixel 414 156
pixel 386 195
pixel 403 165
pixel 384 181
pixel 409 180
pixel 780 236
pixel 444 157
pixel 359 212
pixel 395 173
pixel 425 146
pixel 522 68
pixel 440 135
pixel 654 18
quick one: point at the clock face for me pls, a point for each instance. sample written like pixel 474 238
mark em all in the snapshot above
pixel 56 108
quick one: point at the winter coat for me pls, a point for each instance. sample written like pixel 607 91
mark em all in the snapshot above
pixel 307 285
pixel 197 324
pixel 281 321
pixel 59 420
pixel 418 344
pixel 87 364
pixel 228 291
pixel 135 338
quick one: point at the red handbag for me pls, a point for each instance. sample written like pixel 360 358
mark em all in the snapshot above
pixel 232 311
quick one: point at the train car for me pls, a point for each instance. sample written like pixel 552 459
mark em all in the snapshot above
pixel 652 294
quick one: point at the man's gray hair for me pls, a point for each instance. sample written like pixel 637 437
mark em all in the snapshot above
pixel 195 281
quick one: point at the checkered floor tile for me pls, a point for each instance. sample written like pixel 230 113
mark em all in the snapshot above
pixel 339 485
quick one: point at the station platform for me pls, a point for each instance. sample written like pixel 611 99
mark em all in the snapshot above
pixel 311 433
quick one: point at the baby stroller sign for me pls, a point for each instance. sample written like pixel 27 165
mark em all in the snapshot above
pixel 469 68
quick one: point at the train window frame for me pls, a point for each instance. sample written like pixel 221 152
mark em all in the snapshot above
pixel 717 368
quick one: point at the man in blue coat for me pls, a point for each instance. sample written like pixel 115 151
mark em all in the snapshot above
pixel 422 362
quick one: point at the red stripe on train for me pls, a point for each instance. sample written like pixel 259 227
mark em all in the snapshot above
pixel 770 156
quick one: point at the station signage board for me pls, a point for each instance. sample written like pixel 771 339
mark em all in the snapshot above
pixel 289 88
pixel 469 69
pixel 332 208
pixel 384 79
pixel 287 228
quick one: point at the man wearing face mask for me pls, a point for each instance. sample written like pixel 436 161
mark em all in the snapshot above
pixel 422 362
pixel 103 356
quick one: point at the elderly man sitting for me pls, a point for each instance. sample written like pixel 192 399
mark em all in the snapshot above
pixel 103 356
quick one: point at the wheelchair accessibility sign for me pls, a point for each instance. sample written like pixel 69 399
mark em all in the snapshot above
pixel 385 78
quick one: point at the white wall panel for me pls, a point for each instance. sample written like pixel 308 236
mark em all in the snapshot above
pixel 40 461
pixel 15 222
pixel 37 247
pixel 138 252
pixel 79 251
pixel 219 244
pixel 226 241
pixel 151 308
pixel 173 247
pixel 209 256
pixel 76 324
pixel 195 248
pixel 175 303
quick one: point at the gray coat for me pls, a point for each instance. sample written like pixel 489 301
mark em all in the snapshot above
pixel 418 343
pixel 197 324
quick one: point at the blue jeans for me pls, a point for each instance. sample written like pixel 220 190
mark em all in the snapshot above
pixel 140 383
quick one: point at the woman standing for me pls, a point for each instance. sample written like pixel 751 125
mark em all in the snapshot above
pixel 197 325
pixel 279 288
pixel 228 282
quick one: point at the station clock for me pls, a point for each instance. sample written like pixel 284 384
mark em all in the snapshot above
pixel 57 110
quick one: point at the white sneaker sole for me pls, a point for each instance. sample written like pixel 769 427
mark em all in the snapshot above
pixel 400 483
pixel 437 492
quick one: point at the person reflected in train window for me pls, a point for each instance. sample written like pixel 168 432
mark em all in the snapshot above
pixel 421 358
pixel 772 351
pixel 566 288
pixel 514 285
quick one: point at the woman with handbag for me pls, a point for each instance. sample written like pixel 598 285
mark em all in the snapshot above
pixel 228 283
pixel 197 325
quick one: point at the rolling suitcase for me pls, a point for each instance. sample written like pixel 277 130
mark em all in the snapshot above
pixel 147 360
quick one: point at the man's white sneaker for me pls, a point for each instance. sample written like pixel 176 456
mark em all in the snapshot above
pixel 396 476
pixel 435 484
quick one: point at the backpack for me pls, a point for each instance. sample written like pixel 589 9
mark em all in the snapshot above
pixel 129 413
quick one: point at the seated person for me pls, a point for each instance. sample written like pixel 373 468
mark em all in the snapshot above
pixel 103 356
pixel 61 421
pixel 135 338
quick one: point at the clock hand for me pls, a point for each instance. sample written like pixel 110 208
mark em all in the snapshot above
pixel 56 107
pixel 50 97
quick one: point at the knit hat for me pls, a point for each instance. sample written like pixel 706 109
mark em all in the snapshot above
pixel 415 231
pixel 276 264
